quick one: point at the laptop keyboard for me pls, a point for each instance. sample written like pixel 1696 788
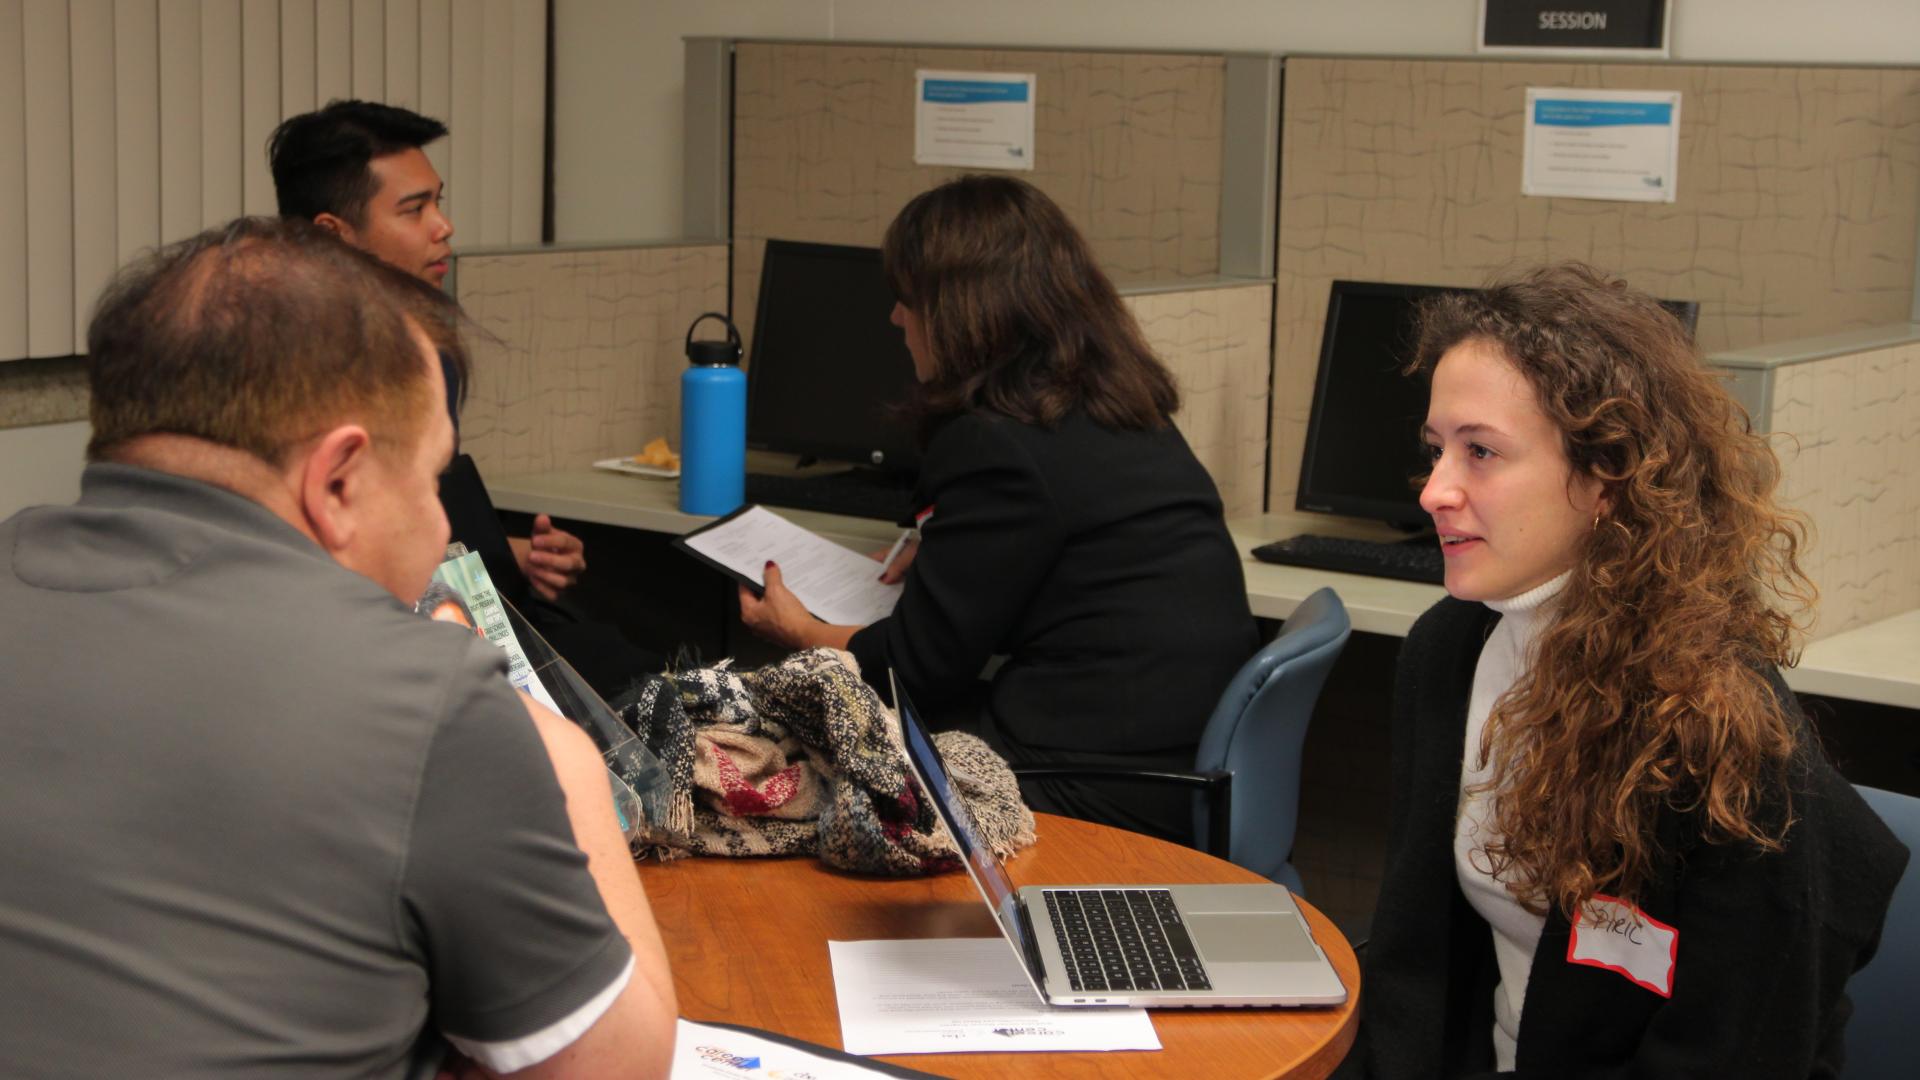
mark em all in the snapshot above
pixel 1124 939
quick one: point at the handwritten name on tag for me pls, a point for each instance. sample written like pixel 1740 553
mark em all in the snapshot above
pixel 1619 937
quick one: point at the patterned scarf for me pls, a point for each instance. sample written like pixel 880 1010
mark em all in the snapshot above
pixel 802 757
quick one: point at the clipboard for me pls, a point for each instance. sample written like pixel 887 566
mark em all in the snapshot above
pixel 838 586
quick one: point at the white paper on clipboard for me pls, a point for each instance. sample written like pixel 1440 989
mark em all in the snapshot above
pixel 838 586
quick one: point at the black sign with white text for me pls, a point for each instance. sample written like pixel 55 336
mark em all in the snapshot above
pixel 1603 25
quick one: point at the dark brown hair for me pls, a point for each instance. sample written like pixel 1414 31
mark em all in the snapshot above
pixel 1647 693
pixel 1019 318
pixel 258 335
pixel 321 160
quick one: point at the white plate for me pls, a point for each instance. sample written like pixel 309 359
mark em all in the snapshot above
pixel 634 468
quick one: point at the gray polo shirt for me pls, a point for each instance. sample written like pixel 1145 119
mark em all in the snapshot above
pixel 255 815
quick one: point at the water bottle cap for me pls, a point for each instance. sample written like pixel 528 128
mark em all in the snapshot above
pixel 711 353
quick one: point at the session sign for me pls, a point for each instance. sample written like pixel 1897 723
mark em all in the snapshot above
pixel 1626 28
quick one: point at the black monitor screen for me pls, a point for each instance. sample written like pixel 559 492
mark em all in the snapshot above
pixel 826 363
pixel 1363 436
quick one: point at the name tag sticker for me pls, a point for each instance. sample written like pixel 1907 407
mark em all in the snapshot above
pixel 1619 937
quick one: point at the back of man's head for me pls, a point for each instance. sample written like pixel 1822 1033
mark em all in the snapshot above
pixel 257 336
pixel 320 159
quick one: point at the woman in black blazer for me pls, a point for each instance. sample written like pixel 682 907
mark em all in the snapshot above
pixel 1066 525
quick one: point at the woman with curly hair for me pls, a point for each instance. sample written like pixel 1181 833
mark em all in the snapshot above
pixel 1616 847
pixel 1067 525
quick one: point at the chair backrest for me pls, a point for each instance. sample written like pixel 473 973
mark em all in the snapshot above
pixel 1257 730
pixel 1880 1035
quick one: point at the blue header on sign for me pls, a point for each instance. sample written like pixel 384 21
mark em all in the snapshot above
pixel 970 91
pixel 1600 113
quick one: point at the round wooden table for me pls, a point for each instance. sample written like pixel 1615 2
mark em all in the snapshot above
pixel 748 941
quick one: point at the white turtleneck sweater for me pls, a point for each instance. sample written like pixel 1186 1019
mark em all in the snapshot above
pixel 1516 932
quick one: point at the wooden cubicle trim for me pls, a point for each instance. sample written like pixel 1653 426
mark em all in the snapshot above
pixel 48 391
pixel 1798 199
pixel 582 351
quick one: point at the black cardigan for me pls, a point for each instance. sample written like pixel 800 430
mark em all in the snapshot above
pixel 1766 941
pixel 1096 561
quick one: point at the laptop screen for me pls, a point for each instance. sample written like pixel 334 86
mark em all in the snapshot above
pixel 981 863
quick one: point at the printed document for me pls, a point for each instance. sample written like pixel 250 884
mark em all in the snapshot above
pixel 839 586
pixel 959 995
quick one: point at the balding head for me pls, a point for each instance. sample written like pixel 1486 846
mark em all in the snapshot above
pixel 257 336
pixel 271 359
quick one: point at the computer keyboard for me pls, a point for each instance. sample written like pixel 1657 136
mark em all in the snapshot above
pixel 867 493
pixel 1124 939
pixel 1412 560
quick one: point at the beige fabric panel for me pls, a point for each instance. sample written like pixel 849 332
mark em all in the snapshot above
pixel 589 352
pixel 1847 429
pixel 1215 343
pixel 1795 216
pixel 1127 143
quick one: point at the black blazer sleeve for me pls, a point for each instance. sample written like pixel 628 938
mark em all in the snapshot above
pixel 994 535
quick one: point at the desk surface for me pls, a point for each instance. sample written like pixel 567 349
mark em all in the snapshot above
pixel 1871 663
pixel 748 943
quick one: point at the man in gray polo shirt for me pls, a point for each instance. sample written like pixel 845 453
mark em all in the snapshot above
pixel 259 818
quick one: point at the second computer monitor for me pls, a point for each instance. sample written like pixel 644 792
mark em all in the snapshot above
pixel 827 368
pixel 1363 449
pixel 1363 435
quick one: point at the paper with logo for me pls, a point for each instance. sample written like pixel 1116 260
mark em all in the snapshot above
pixel 1602 144
pixel 484 612
pixel 1619 937
pixel 703 1051
pixel 962 995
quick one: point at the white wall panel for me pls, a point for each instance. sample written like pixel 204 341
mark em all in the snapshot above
pixel 332 50
pixel 496 127
pixel 136 126
pixel 127 124
pixel 180 187
pixel 297 52
pixel 95 198
pixel 466 181
pixel 13 181
pixel 403 54
pixel 529 120
pixel 49 153
pixel 259 100
pixel 369 50
pixel 220 168
pixel 436 74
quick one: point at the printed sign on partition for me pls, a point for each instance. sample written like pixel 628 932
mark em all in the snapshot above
pixel 975 119
pixel 1602 144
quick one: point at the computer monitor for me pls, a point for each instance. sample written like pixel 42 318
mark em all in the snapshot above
pixel 1363 435
pixel 826 366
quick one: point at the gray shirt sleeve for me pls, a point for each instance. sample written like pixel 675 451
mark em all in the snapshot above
pixel 495 894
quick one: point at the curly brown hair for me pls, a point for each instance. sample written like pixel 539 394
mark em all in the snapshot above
pixel 1648 691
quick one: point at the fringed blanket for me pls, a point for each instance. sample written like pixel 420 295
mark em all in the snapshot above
pixel 802 757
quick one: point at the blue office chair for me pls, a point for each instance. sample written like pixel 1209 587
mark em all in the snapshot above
pixel 1247 769
pixel 1880 1035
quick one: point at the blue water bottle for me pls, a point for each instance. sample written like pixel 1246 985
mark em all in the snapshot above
pixel 713 424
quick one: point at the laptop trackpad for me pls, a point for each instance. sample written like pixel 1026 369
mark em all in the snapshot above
pixel 1244 938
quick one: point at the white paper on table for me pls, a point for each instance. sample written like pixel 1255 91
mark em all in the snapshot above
pixel 840 586
pixel 962 995
pixel 701 1051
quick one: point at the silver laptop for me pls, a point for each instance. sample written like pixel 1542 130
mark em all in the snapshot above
pixel 1166 946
